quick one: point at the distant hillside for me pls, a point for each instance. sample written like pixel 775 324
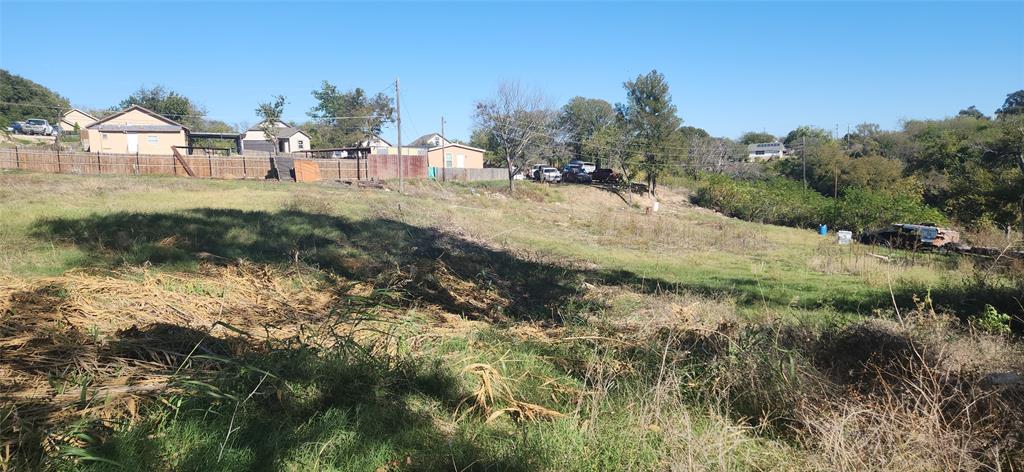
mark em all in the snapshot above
pixel 34 100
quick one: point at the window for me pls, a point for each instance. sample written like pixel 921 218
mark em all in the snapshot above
pixel 104 135
pixel 448 160
pixel 758 153
pixel 300 144
pixel 152 139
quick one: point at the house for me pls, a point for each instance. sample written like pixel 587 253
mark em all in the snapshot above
pixel 444 153
pixel 288 139
pixel 135 130
pixel 766 151
pixel 75 117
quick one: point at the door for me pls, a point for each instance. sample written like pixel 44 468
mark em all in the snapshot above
pixel 133 143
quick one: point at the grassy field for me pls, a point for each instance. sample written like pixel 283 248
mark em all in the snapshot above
pixel 173 324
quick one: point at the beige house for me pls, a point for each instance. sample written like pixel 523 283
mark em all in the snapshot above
pixel 135 130
pixel 444 153
pixel 75 117
pixel 289 139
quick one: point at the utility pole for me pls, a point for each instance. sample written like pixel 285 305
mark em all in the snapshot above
pixel 443 146
pixel 398 109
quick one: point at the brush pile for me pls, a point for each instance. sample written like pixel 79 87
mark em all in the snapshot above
pixel 90 343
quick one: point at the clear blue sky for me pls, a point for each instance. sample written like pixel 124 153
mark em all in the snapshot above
pixel 732 67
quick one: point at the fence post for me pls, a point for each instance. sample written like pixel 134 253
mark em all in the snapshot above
pixel 339 169
pixel 58 160
pixel 99 167
pixel 245 173
pixel 209 164
pixel 17 158
pixel 138 164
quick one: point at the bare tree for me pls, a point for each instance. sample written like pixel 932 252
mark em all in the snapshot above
pixel 270 113
pixel 518 122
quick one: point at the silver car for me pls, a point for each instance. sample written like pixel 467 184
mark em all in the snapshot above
pixel 37 126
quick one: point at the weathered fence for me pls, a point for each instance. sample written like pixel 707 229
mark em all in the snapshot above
pixel 444 174
pixel 206 166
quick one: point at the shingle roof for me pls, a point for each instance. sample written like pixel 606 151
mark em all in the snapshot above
pixel 422 140
pixel 110 127
pixel 145 110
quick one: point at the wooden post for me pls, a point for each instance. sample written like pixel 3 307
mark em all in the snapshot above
pixel 245 173
pixel 138 164
pixel 58 161
pixel 17 158
pixel 99 168
pixel 359 173
pixel 209 164
pixel 339 169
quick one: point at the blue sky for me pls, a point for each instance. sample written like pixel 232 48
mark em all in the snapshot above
pixel 732 67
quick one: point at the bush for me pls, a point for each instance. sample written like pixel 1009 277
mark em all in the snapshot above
pixel 786 202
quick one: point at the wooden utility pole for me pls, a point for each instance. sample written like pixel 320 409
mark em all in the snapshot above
pixel 443 146
pixel 398 110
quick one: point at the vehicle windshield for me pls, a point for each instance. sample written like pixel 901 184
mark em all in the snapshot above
pixel 35 122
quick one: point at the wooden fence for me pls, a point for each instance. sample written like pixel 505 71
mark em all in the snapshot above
pixel 207 166
pixel 467 175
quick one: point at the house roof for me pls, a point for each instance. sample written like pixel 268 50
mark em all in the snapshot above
pixel 283 131
pixel 147 111
pixel 463 146
pixel 112 127
pixel 80 111
pixel 375 137
pixel 776 146
pixel 423 140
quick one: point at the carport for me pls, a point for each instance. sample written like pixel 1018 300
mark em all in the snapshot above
pixel 193 136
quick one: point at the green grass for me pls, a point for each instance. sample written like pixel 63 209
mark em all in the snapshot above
pixel 470 276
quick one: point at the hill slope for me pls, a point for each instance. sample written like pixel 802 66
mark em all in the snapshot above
pixel 255 325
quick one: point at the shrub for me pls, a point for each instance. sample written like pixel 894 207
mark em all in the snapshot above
pixel 786 202
pixel 992 321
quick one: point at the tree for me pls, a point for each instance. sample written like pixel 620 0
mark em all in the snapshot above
pixel 1014 105
pixel 516 121
pixel 345 119
pixel 650 120
pixel 972 112
pixel 21 99
pixel 168 103
pixel 810 134
pixel 270 113
pixel 581 118
pixel 754 137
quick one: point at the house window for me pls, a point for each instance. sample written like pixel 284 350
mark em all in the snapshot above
pixel 300 144
pixel 448 160
pixel 152 139
pixel 758 153
pixel 104 135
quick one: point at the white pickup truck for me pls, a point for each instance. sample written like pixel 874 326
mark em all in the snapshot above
pixel 37 126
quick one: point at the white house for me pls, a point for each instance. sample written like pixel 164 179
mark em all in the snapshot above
pixel 288 139
pixel 766 151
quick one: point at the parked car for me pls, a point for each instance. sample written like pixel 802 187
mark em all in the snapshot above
pixel 588 167
pixel 549 174
pixel 535 171
pixel 37 126
pixel 576 174
pixel 908 236
pixel 606 175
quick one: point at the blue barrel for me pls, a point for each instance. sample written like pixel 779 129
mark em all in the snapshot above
pixel 823 230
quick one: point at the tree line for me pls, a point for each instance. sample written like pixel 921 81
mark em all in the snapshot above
pixel 970 166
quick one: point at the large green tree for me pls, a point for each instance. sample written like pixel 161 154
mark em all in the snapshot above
pixel 344 119
pixel 21 99
pixel 754 137
pixel 168 103
pixel 650 121
pixel 1014 105
pixel 581 118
